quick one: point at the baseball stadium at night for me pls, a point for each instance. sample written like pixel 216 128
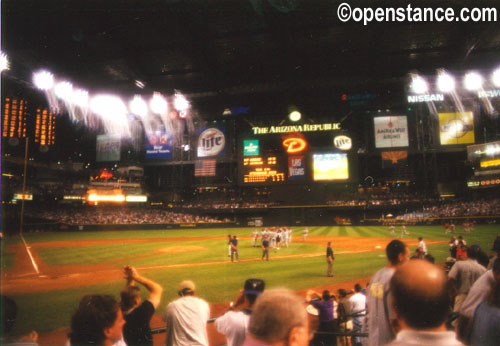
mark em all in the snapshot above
pixel 250 172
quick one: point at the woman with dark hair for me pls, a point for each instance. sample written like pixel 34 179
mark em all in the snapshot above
pixel 98 320
pixel 327 309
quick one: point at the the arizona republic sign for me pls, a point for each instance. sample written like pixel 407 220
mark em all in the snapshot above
pixel 211 142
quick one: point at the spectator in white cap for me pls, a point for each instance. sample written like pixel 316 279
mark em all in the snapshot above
pixel 187 317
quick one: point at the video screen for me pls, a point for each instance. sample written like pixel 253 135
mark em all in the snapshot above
pixel 330 167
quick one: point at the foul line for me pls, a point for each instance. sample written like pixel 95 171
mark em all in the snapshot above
pixel 31 256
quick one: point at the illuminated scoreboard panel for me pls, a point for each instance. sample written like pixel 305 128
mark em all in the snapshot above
pixel 259 169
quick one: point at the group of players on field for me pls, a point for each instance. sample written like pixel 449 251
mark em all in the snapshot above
pixel 448 228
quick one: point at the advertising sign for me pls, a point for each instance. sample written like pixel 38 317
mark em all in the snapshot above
pixel 342 142
pixel 392 159
pixel 158 145
pixel 391 131
pixel 483 151
pixel 456 128
pixel 251 147
pixel 211 142
pixel 296 167
pixel 108 148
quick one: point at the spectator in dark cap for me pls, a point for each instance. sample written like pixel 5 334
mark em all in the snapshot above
pixel 234 323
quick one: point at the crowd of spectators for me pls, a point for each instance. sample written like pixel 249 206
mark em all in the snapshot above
pixel 117 215
pixel 465 208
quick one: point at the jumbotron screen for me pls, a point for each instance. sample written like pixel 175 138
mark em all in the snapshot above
pixel 294 158
pixel 330 166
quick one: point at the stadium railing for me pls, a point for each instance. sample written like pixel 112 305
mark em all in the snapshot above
pixel 346 334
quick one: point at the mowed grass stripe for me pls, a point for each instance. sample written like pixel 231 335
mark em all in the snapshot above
pixel 342 232
pixel 133 234
pixel 363 232
pixel 327 231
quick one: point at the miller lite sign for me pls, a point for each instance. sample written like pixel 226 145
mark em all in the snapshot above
pixel 342 142
pixel 211 142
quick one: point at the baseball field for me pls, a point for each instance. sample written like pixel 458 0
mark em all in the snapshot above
pixel 72 264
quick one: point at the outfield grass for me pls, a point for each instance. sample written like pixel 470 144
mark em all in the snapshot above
pixel 220 282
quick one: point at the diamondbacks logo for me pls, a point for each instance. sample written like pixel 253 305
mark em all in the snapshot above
pixel 211 142
pixel 294 145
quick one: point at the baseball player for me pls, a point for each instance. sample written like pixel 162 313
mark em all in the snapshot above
pixel 255 235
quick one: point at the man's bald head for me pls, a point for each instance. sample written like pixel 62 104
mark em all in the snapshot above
pixel 276 314
pixel 420 291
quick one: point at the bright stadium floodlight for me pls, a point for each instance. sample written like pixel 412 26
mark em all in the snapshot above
pixel 158 104
pixel 4 61
pixel 445 82
pixel 138 106
pixel 80 98
pixel 44 80
pixel 473 81
pixel 418 85
pixel 108 106
pixel 495 78
pixel 64 90
pixel 181 104
pixel 295 116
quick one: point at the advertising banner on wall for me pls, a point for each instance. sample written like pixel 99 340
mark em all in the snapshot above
pixel 393 159
pixel 391 131
pixel 108 148
pixel 483 152
pixel 211 142
pixel 296 167
pixel 251 147
pixel 158 145
pixel 456 128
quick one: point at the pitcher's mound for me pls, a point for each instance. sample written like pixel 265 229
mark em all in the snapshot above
pixel 177 249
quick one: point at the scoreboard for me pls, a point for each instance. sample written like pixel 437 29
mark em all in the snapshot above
pixel 262 170
pixel 294 158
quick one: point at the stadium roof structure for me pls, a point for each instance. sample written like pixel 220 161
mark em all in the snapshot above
pixel 238 52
